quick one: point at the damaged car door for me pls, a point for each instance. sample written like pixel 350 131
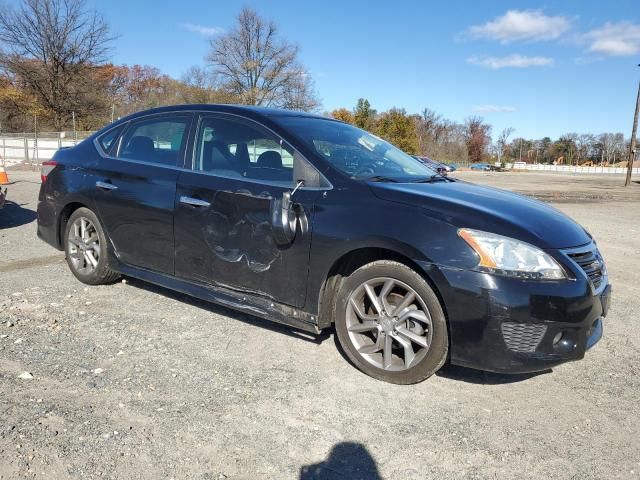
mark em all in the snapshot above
pixel 237 224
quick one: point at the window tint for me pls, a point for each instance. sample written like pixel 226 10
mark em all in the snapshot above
pixel 237 148
pixel 158 140
pixel 106 140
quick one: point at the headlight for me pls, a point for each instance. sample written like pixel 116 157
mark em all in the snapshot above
pixel 510 257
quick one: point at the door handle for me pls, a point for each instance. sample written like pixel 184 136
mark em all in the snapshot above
pixel 195 202
pixel 106 185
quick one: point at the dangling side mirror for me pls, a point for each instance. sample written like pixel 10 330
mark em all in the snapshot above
pixel 283 219
pixel 285 216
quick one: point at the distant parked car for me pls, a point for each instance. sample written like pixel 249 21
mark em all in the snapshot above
pixel 480 166
pixel 440 167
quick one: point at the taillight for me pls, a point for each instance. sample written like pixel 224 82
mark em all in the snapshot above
pixel 47 168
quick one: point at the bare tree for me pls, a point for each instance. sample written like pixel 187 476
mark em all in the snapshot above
pixel 503 142
pixel 252 62
pixel 50 46
pixel 584 146
pixel 198 77
pixel 300 95
pixel 440 138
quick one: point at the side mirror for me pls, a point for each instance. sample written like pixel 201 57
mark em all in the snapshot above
pixel 283 219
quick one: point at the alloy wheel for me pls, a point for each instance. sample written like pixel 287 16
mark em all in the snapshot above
pixel 84 246
pixel 389 324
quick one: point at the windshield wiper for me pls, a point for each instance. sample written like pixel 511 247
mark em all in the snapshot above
pixel 381 178
pixel 435 177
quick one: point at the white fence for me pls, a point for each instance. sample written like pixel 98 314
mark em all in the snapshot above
pixel 30 149
pixel 574 169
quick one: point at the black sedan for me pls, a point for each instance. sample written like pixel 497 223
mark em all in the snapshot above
pixel 311 222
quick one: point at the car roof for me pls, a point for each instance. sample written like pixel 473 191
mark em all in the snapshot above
pixel 245 110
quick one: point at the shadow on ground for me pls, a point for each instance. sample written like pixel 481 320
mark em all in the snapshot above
pixel 228 312
pixel 14 215
pixel 481 377
pixel 463 374
pixel 346 460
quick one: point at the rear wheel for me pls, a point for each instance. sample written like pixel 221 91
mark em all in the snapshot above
pixel 86 249
pixel 391 324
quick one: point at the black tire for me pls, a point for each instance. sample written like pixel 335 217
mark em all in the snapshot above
pixel 433 357
pixel 101 273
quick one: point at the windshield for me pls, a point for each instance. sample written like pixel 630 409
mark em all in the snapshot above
pixel 356 152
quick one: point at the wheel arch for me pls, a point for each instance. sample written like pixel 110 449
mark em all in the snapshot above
pixel 64 216
pixel 355 258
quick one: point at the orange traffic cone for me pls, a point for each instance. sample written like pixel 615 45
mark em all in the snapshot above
pixel 4 179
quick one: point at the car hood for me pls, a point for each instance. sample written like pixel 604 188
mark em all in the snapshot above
pixel 464 204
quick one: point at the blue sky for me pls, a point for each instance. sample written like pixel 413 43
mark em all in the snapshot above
pixel 542 68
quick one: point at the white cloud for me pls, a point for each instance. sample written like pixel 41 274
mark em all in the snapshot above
pixel 203 30
pixel 511 61
pixel 587 60
pixel 615 39
pixel 493 108
pixel 519 25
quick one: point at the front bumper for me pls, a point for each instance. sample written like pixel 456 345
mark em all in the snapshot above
pixel 507 325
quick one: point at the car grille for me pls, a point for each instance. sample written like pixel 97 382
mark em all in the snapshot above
pixel 522 337
pixel 591 262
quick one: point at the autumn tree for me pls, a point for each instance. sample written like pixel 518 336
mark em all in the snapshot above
pixel 17 103
pixel 398 128
pixel 48 46
pixel 477 136
pixel 343 115
pixel 254 63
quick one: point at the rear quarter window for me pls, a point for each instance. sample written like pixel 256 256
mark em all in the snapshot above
pixel 107 140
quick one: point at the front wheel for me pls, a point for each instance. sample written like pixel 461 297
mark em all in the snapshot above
pixel 390 323
pixel 86 249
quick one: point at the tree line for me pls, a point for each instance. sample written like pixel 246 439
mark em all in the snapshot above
pixel 54 69
pixel 55 72
pixel 432 135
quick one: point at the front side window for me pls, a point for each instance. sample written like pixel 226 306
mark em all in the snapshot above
pixel 158 140
pixel 356 152
pixel 237 148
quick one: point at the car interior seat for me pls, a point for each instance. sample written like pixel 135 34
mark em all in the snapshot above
pixel 270 159
pixel 141 148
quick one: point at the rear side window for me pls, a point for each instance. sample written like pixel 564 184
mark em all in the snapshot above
pixel 158 140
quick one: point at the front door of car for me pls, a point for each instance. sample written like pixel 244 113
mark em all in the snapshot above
pixel 226 207
pixel 134 189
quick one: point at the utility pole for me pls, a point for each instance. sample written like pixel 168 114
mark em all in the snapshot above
pixel 520 156
pixel 632 147
pixel 36 154
pixel 73 119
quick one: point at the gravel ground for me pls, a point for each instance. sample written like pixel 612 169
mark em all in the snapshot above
pixel 131 381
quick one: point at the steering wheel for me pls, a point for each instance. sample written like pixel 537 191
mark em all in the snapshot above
pixel 368 169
